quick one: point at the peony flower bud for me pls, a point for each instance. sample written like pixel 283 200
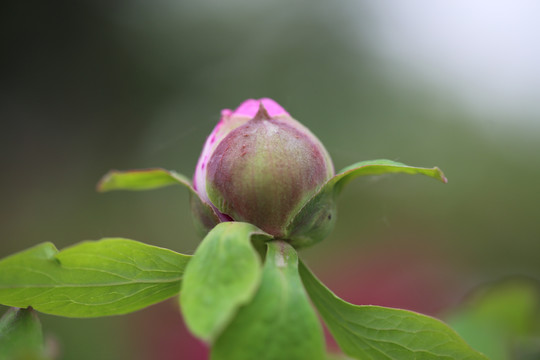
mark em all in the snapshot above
pixel 261 166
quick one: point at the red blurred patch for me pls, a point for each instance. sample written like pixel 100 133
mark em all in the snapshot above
pixel 159 333
pixel 409 275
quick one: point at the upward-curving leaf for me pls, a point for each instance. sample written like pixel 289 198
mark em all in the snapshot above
pixel 375 332
pixel 95 278
pixel 142 179
pixel 205 217
pixel 316 218
pixel 380 167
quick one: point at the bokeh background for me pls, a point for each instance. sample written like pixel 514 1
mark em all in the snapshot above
pixel 89 86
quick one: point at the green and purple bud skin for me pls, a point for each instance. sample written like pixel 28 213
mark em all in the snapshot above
pixel 261 166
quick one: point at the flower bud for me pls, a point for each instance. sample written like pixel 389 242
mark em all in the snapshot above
pixel 261 166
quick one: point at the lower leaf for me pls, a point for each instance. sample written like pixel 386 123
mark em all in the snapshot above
pixel 374 332
pixel 94 278
pixel 222 276
pixel 279 323
pixel 20 335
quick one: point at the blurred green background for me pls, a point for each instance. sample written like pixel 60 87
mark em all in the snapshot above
pixel 88 86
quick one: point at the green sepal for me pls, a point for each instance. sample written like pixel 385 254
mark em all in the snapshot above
pixel 204 216
pixel 317 217
pixel 111 276
pixel 21 337
pixel 141 179
pixel 280 322
pixel 223 275
pixel 380 167
pixel 375 332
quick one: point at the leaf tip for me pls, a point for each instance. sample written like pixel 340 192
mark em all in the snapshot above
pixel 441 175
pixel 101 186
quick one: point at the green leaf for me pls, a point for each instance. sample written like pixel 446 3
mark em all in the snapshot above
pixel 143 179
pixel 21 336
pixel 223 275
pixel 380 167
pixel 317 217
pixel 94 278
pixel 374 332
pixel 279 323
pixel 147 179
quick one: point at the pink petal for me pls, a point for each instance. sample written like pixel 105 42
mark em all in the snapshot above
pixel 250 107
pixel 229 120
pixel 273 108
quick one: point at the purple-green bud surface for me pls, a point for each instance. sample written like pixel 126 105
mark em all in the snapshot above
pixel 261 166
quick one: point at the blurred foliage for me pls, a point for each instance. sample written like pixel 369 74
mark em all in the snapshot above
pixel 90 86
pixel 502 320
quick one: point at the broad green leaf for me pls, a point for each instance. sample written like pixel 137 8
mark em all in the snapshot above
pixel 147 179
pixel 374 332
pixel 316 218
pixel 21 336
pixel 502 320
pixel 143 179
pixel 279 323
pixel 222 276
pixel 95 278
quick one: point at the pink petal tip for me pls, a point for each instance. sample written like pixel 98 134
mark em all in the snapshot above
pixel 250 108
